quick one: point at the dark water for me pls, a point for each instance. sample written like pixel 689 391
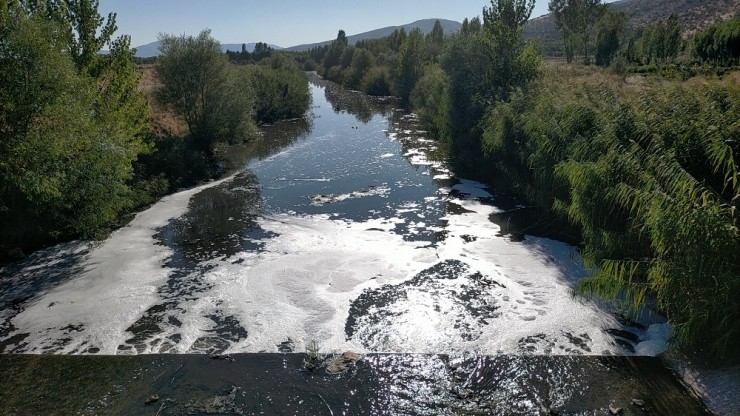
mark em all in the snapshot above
pixel 379 384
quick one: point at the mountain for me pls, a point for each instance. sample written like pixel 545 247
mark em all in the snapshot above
pixel 694 15
pixel 152 49
pixel 426 25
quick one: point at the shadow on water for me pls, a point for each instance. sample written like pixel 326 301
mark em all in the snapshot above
pixel 22 282
pixel 271 140
pixel 360 105
pixel 220 222
pixel 378 384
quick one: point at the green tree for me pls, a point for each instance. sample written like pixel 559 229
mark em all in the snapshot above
pixel 435 40
pixel 672 37
pixel 333 56
pixel 362 61
pixel 431 99
pixel 342 38
pixel 484 69
pixel 89 32
pixel 280 89
pixel 609 31
pixel 410 64
pixel 67 140
pixel 576 19
pixel 475 25
pixel 465 28
pixel 502 23
pixel 198 85
pixel 719 44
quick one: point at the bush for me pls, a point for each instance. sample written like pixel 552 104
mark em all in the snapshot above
pixel 431 99
pixel 376 82
pixel 280 88
pixel 200 85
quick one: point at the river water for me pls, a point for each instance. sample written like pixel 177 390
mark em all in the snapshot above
pixel 341 229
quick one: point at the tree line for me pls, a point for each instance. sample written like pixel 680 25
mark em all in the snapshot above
pixel 720 44
pixel 76 147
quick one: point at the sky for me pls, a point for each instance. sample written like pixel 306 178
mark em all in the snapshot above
pixel 280 22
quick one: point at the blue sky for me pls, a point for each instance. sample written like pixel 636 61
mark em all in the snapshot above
pixel 280 22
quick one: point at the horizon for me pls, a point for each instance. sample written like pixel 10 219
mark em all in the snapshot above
pixel 237 22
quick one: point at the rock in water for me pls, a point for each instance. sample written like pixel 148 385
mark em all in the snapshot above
pixel 615 410
pixel 152 399
pixel 343 362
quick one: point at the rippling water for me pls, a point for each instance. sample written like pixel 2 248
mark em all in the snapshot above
pixel 341 228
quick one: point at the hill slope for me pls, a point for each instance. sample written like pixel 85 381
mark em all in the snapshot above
pixel 425 25
pixel 694 15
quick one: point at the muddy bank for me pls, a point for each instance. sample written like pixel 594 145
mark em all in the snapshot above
pixel 379 384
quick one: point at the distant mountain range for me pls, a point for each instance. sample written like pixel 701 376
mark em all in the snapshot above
pixel 152 49
pixel 425 25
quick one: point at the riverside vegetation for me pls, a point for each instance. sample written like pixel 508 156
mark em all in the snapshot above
pixel 644 168
pixel 78 148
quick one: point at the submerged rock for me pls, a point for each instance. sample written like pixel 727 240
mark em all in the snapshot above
pixel 152 399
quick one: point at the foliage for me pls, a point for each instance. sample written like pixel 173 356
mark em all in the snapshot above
pixel 652 182
pixel 411 58
pixel 576 19
pixel 68 133
pixel 199 85
pixel 431 99
pixel 719 44
pixel 280 89
pixel 261 51
pixel 657 43
pixel 484 69
pixel 609 31
pixel 376 82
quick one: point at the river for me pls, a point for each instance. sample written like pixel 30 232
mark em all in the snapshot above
pixel 344 229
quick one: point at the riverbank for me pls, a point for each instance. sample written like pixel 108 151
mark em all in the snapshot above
pixel 399 384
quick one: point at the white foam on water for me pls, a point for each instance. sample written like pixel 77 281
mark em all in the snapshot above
pixel 472 188
pixel 654 340
pixel 320 200
pixel 118 284
pixel 303 282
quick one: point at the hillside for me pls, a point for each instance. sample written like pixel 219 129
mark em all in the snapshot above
pixel 152 49
pixel 424 25
pixel 694 15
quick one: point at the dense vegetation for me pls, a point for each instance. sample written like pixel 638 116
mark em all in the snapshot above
pixel 651 180
pixel 720 44
pixel 76 146
pixel 71 121
pixel 646 170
